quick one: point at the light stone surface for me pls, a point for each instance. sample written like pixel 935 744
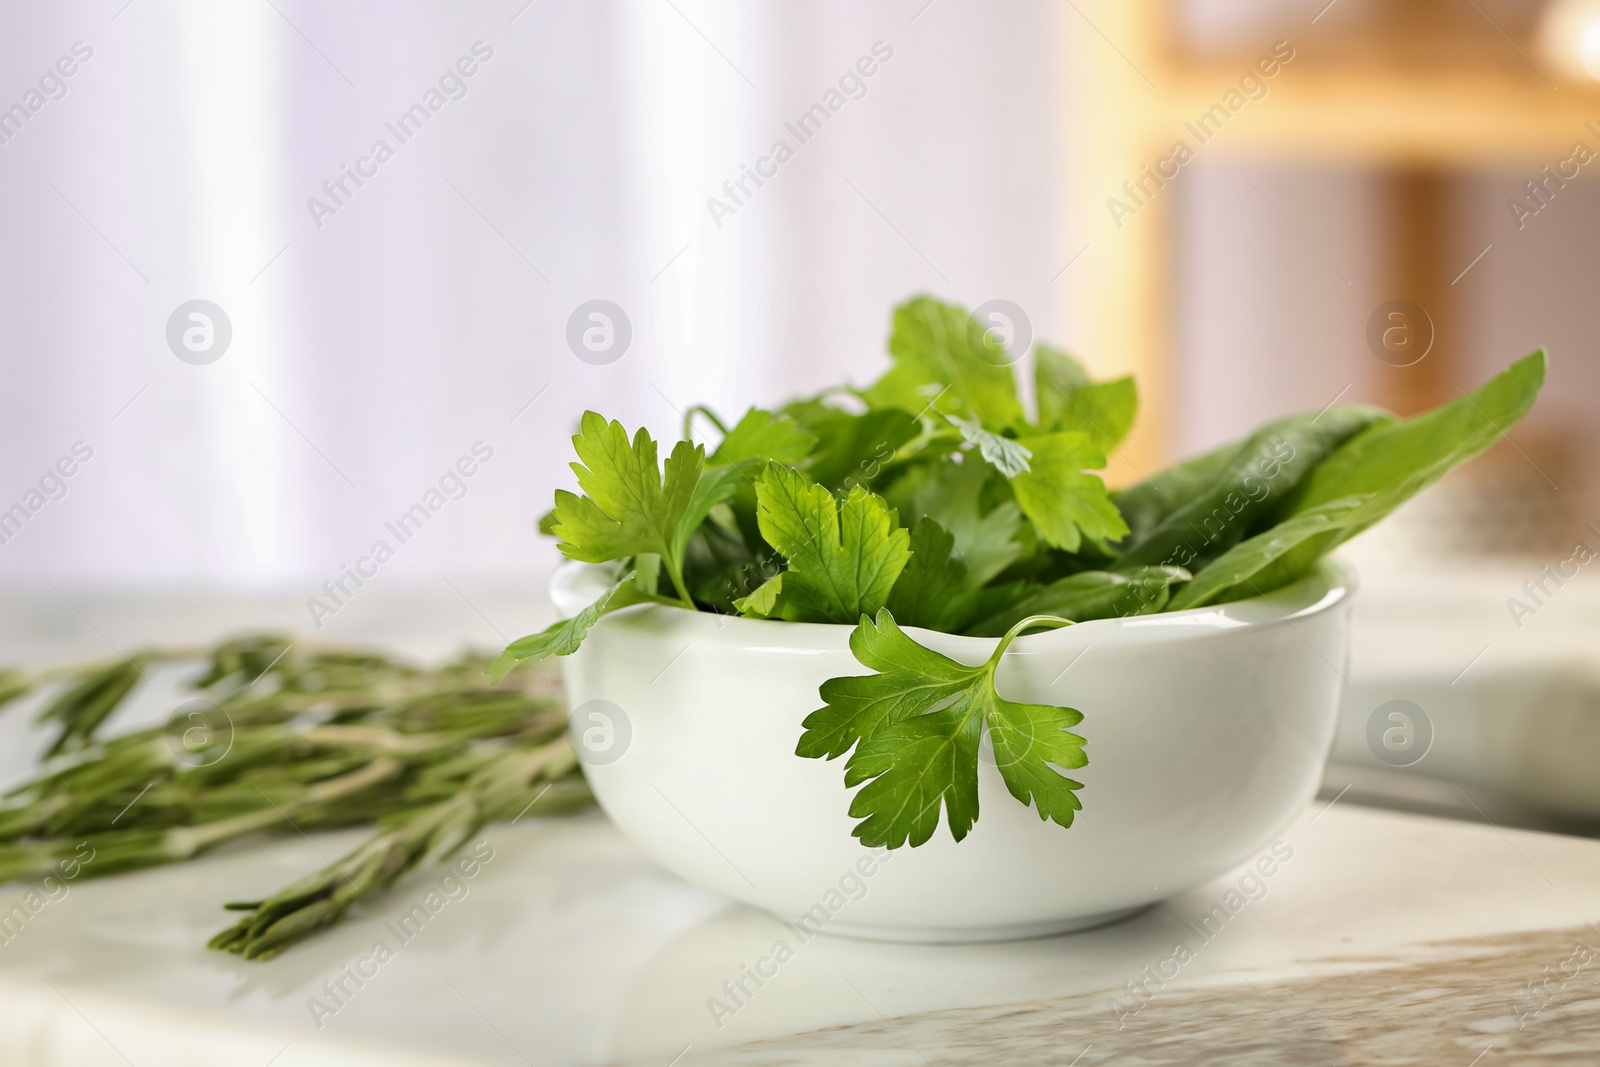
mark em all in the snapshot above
pixel 1382 938
pixel 1385 938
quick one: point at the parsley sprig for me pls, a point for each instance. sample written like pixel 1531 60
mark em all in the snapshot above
pixel 916 727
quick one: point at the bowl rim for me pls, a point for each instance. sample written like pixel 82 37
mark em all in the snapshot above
pixel 1330 583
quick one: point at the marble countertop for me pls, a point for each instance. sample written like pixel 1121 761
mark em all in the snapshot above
pixel 1386 937
pixel 1382 938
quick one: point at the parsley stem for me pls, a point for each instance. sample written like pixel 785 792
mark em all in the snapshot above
pixel 1052 621
pixel 706 413
pixel 675 573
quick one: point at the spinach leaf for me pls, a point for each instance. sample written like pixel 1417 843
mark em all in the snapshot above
pixel 1380 469
pixel 1234 576
pixel 1088 595
pixel 1255 479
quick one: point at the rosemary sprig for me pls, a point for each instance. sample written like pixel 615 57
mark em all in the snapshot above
pixel 492 791
pixel 288 738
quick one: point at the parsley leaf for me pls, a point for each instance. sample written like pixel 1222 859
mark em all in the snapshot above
pixel 1004 454
pixel 762 435
pixel 563 638
pixel 843 560
pixel 1065 504
pixel 917 725
pixel 946 359
pixel 932 591
pixel 952 494
pixel 631 507
pixel 763 602
pixel 1069 400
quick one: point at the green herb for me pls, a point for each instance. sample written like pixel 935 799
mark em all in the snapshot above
pixel 1065 503
pixel 629 507
pixel 929 499
pixel 912 758
pixel 932 498
pixel 291 738
pixel 1070 400
pixel 843 558
pixel 1217 509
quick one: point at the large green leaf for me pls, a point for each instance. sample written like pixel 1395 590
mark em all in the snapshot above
pixel 1392 461
pixel 1209 518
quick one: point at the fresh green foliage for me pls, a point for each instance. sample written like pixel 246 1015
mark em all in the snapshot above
pixel 563 637
pixel 1087 595
pixel 629 507
pixel 1069 400
pixel 933 591
pixel 929 499
pixel 843 558
pixel 946 360
pixel 1209 518
pixel 761 435
pixel 1240 564
pixel 912 758
pixel 1005 454
pixel 1065 503
pixel 989 536
pixel 1364 480
pixel 297 738
pixel 933 499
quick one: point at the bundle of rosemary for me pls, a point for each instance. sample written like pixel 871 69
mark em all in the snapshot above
pixel 284 737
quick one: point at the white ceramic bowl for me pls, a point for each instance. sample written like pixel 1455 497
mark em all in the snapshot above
pixel 1207 731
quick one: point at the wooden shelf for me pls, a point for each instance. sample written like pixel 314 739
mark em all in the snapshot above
pixel 1420 88
pixel 1379 116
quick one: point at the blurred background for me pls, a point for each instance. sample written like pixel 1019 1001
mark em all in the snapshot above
pixel 257 339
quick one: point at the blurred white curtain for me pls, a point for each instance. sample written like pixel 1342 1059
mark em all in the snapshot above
pixel 373 346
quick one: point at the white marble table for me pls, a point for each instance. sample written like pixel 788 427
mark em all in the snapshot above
pixel 1384 938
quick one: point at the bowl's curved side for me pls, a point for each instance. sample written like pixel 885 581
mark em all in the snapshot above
pixel 1206 737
